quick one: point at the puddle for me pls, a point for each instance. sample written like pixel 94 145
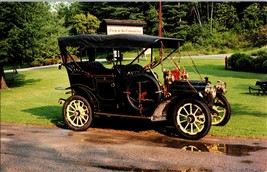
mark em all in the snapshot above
pixel 247 162
pixel 227 149
pixel 115 168
pixel 165 141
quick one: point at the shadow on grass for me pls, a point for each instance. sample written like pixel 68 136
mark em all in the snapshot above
pixel 19 80
pixel 239 109
pixel 53 114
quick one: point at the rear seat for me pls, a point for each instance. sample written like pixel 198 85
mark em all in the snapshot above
pixel 94 67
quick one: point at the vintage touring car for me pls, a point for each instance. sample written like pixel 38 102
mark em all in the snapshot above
pixel 135 91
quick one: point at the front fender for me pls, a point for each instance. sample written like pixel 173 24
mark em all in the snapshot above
pixel 161 111
pixel 165 108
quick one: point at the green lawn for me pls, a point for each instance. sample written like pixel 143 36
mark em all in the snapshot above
pixel 32 99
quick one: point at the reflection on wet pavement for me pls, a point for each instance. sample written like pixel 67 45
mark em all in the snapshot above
pixel 165 141
pixel 161 141
pixel 233 150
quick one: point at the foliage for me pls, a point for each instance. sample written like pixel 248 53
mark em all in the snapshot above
pixel 174 21
pixel 244 62
pixel 29 33
pixel 226 16
pixel 85 24
pixel 152 20
pixel 68 11
pixel 240 61
pixel 254 24
pixel 209 26
pixel 43 62
pixel 260 63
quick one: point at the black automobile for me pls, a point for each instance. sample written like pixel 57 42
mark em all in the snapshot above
pixel 136 91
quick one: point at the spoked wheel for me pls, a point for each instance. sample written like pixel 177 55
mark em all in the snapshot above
pixel 143 93
pixel 221 111
pixel 193 147
pixel 77 113
pixel 192 119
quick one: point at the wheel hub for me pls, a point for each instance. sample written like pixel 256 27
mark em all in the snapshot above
pixel 77 113
pixel 190 119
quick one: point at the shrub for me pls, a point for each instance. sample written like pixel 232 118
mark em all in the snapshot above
pixel 47 62
pixel 260 61
pixel 232 60
pixel 239 61
pixel 262 53
pixel 264 67
pixel 188 46
pixel 37 62
pixel 53 61
pixel 244 63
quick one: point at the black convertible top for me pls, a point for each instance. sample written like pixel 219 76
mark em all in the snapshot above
pixel 116 41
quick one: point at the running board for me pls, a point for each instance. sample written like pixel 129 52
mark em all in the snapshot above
pixel 122 115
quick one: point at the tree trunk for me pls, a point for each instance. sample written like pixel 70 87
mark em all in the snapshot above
pixel 3 85
pixel 211 17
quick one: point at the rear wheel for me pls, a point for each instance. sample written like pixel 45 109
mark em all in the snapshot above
pixel 77 113
pixel 221 111
pixel 192 119
pixel 143 93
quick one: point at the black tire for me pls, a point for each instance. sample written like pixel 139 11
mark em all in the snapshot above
pixel 221 111
pixel 150 89
pixel 192 119
pixel 77 113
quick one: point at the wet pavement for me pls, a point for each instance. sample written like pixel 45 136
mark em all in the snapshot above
pixel 40 148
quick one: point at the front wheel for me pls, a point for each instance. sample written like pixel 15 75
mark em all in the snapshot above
pixel 77 113
pixel 221 111
pixel 192 119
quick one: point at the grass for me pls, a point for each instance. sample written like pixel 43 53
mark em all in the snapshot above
pixel 32 98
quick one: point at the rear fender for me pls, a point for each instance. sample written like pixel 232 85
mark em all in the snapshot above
pixel 87 93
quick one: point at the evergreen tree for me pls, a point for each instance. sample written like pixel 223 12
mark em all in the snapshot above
pixel 226 15
pixel 152 20
pixel 175 24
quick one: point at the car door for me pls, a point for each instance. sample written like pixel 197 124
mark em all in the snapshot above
pixel 106 90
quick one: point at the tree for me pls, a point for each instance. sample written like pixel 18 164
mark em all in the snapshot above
pixel 85 24
pixel 152 20
pixel 116 10
pixel 68 11
pixel 226 15
pixel 3 85
pixel 28 33
pixel 254 24
pixel 174 18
